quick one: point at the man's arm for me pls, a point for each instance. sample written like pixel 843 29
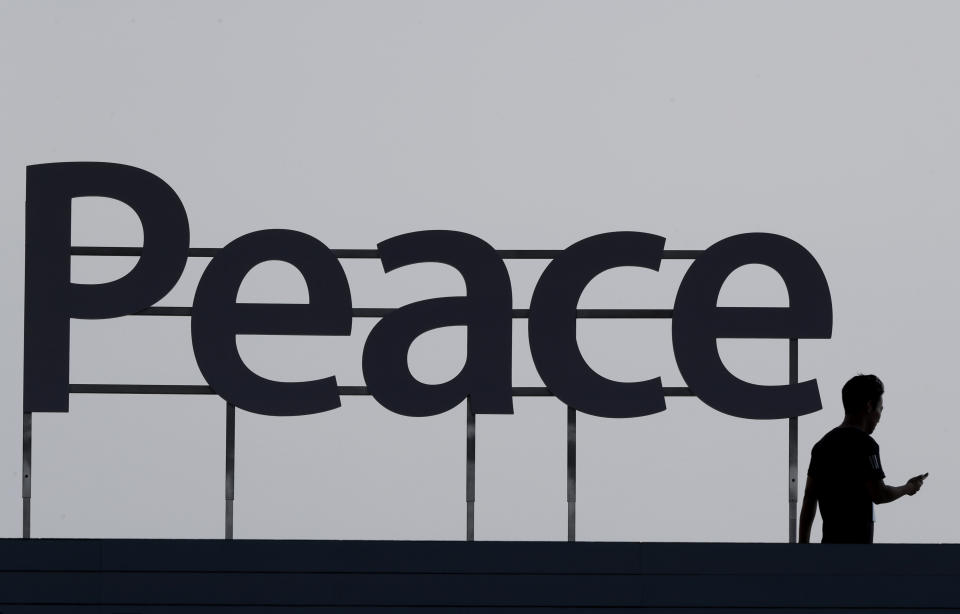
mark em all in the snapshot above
pixel 808 510
pixel 882 493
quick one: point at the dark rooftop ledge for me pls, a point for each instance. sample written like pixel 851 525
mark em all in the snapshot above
pixel 254 576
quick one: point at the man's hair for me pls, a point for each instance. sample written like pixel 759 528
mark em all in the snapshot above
pixel 860 389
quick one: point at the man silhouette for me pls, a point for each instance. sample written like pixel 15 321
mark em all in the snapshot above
pixel 845 475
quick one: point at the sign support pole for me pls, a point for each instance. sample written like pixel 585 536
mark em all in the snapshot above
pixel 792 435
pixel 571 474
pixel 27 470
pixel 471 467
pixel 230 453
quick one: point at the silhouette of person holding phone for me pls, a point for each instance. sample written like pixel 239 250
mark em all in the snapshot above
pixel 845 475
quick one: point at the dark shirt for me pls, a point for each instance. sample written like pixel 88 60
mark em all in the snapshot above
pixel 841 464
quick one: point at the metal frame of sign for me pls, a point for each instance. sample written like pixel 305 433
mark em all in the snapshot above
pixel 362 391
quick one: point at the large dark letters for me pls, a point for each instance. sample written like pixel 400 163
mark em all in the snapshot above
pixel 218 318
pixel 698 323
pixel 485 311
pixel 553 326
pixel 50 299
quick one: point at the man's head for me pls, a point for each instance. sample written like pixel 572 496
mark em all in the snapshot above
pixel 863 398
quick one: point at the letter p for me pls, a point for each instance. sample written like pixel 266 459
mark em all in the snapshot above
pixel 50 299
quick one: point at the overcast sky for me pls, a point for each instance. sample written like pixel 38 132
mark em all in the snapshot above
pixel 530 125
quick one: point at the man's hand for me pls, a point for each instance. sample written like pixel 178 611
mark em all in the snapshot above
pixel 881 493
pixel 913 484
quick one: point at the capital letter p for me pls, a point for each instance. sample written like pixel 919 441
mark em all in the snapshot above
pixel 50 299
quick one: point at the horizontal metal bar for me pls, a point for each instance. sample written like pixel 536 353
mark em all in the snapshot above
pixel 86 250
pixel 511 254
pixel 139 389
pixel 516 391
pixel 165 311
pixel 379 312
pixel 353 391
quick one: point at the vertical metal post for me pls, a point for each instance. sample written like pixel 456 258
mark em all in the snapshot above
pixel 571 474
pixel 27 470
pixel 792 436
pixel 471 467
pixel 230 455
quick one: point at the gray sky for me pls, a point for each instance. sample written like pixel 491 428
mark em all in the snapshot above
pixel 530 125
